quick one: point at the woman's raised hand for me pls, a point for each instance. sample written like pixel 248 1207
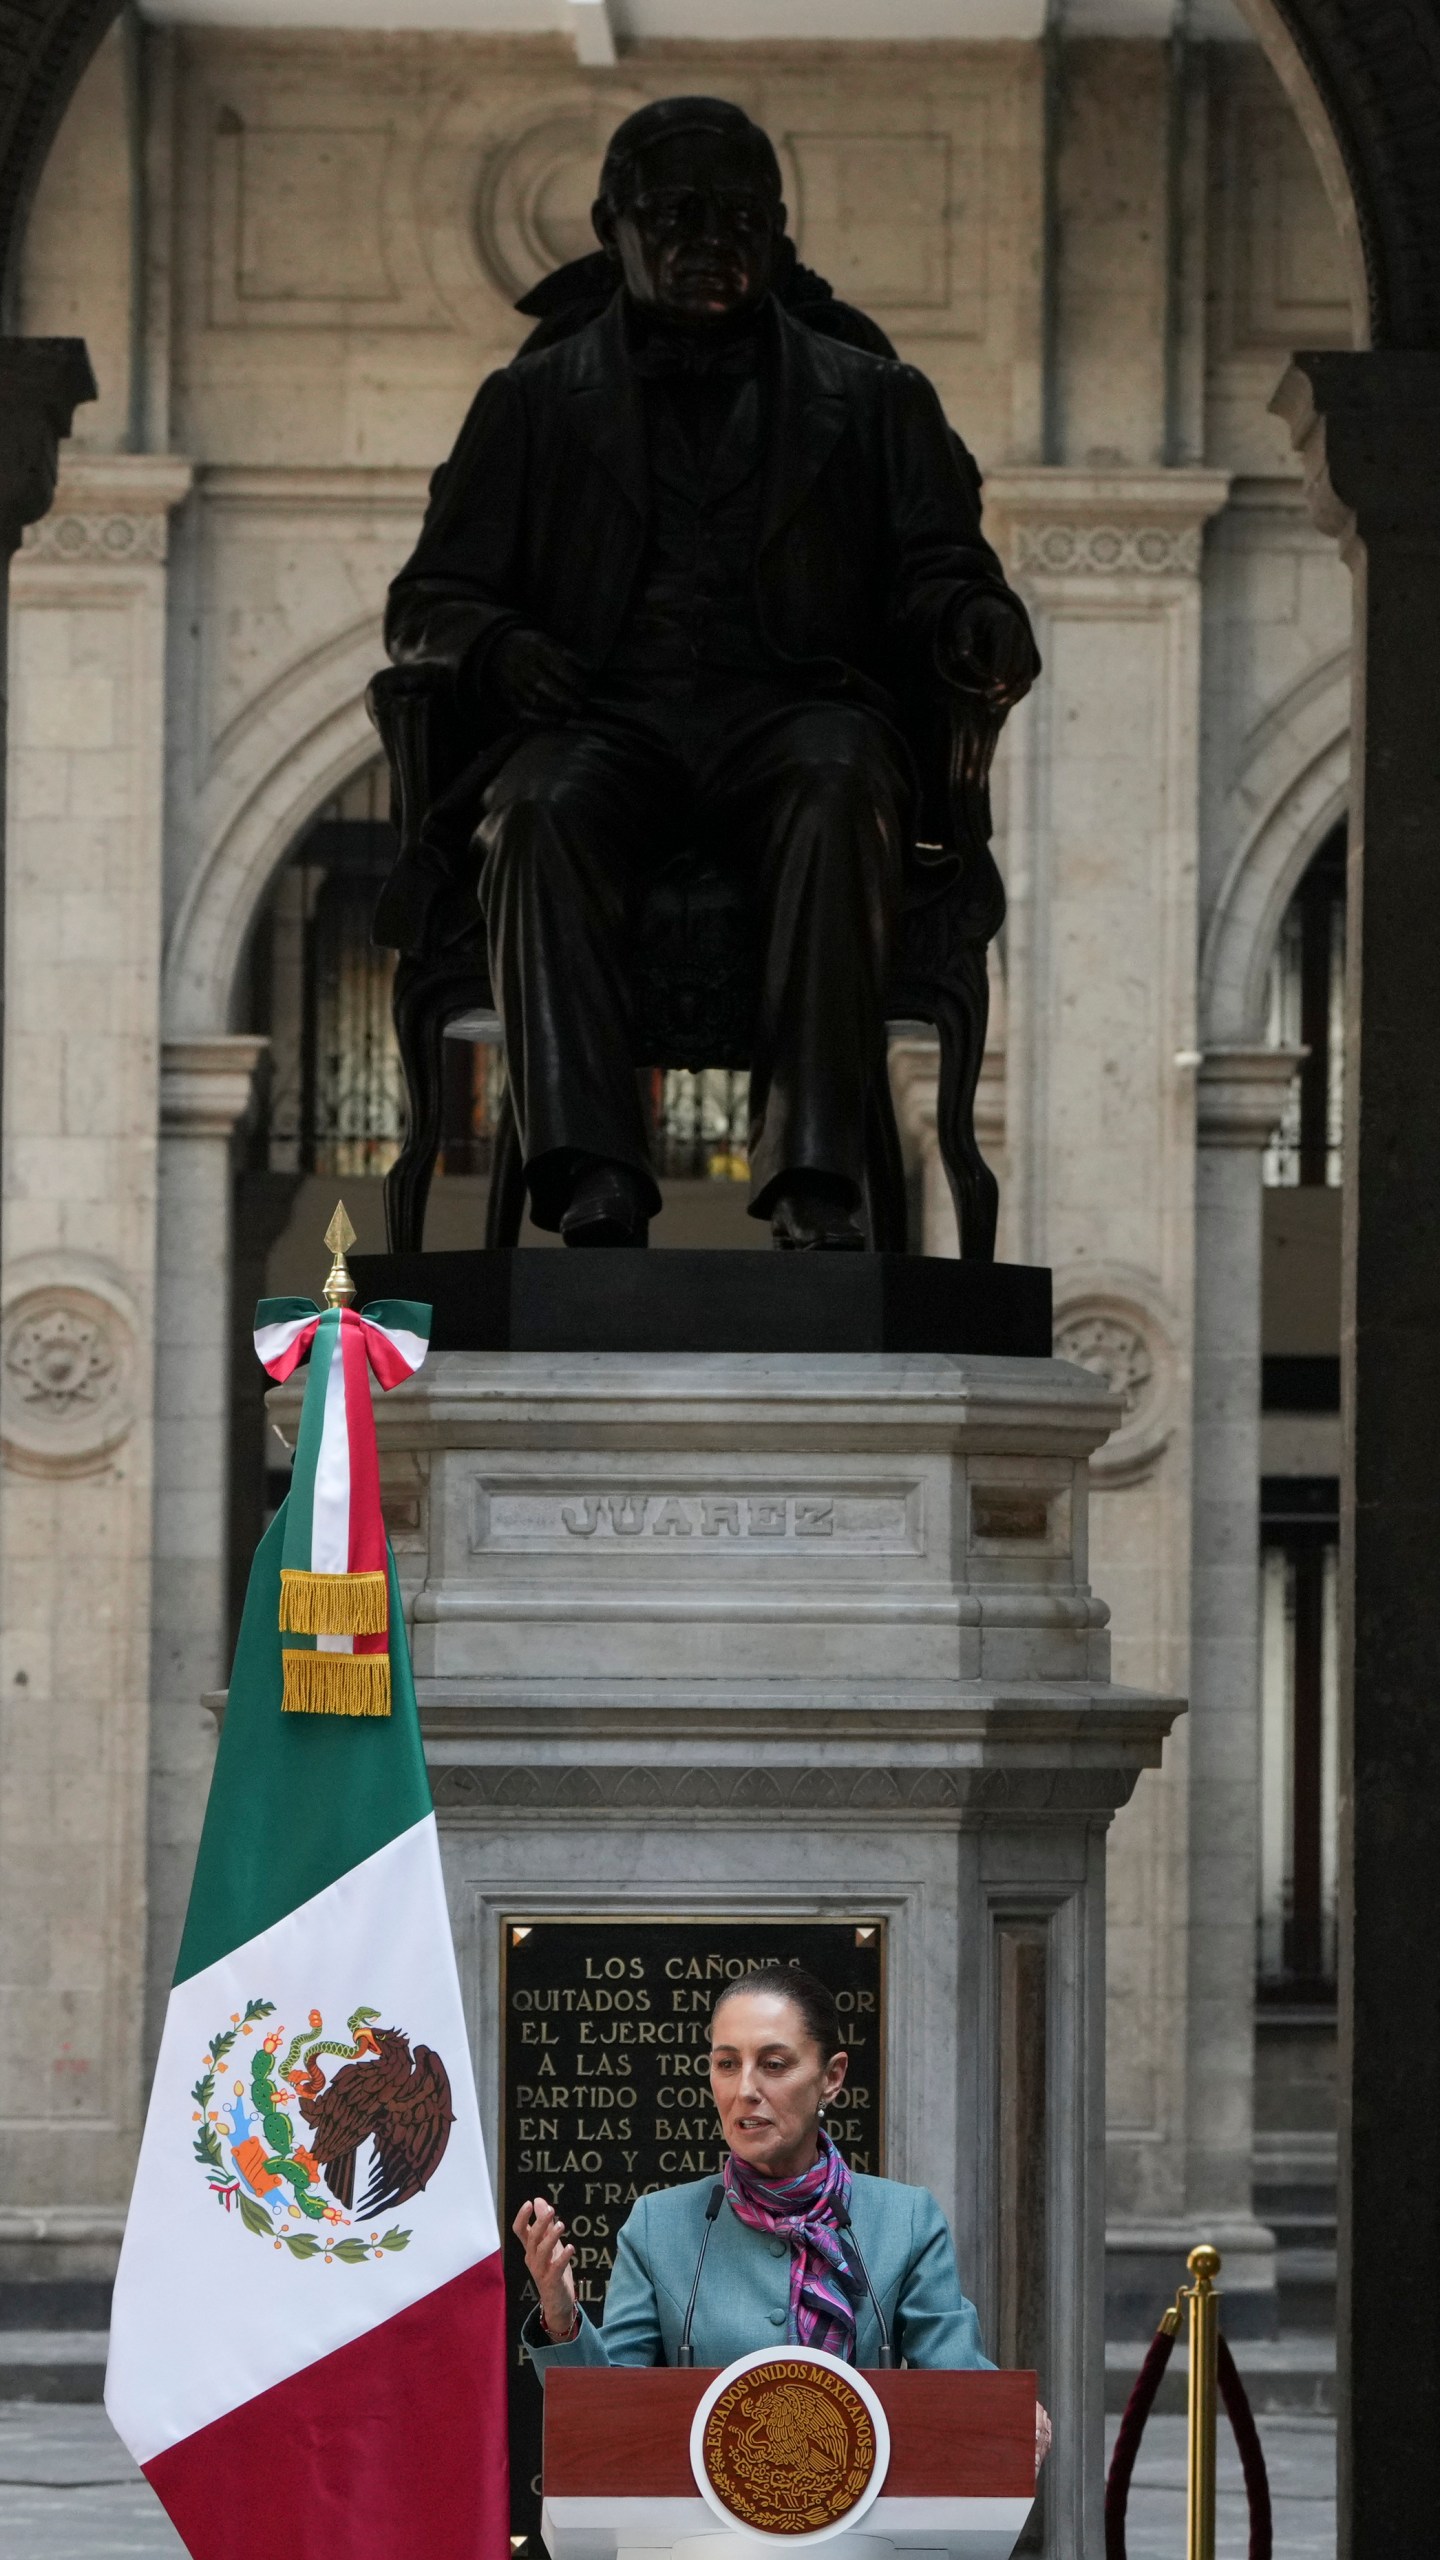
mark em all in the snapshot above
pixel 549 2258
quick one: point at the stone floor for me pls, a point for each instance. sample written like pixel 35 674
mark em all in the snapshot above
pixel 1300 2458
pixel 69 2492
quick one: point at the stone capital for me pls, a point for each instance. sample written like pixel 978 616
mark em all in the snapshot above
pixel 206 1084
pixel 1063 528
pixel 1367 429
pixel 110 510
pixel 42 383
pixel 1240 1094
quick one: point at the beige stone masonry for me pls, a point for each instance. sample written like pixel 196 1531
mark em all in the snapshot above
pixel 1102 848
pixel 76 1349
pixel 206 1087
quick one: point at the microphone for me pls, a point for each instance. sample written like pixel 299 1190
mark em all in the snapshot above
pixel 887 2352
pixel 685 2353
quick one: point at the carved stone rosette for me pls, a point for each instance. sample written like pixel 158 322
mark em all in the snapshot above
pixel 1116 1328
pixel 67 1357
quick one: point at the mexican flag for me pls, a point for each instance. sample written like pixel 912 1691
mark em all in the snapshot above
pixel 307 2344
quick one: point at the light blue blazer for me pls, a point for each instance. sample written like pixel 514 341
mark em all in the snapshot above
pixel 744 2298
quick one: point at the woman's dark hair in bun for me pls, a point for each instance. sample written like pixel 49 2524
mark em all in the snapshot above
pixel 791 1982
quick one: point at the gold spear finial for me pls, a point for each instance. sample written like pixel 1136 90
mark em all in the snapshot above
pixel 339 1235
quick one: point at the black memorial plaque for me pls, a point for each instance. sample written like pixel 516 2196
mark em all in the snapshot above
pixel 606 2096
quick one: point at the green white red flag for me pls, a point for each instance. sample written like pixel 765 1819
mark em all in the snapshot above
pixel 332 1572
pixel 307 2341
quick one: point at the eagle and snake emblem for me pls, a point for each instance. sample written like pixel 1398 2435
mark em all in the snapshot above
pixel 292 2136
pixel 789 2456
pixel 795 2430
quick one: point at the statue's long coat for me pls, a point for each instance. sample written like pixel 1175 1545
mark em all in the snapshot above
pixel 871 526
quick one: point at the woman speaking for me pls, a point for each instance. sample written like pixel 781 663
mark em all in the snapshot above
pixel 798 2249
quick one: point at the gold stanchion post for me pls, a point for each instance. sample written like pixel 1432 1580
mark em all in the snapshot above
pixel 1204 2266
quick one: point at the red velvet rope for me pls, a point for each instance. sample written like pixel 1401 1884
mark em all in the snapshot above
pixel 1252 2458
pixel 1132 2428
pixel 1127 2442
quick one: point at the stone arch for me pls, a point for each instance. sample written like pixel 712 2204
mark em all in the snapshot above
pixel 1365 85
pixel 1295 59
pixel 1291 790
pixel 292 750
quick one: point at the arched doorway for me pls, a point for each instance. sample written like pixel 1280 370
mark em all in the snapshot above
pixel 329 1118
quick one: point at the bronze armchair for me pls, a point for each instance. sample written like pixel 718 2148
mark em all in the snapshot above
pixel 693 974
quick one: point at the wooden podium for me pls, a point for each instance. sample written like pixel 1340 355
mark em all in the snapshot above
pixel 617 2476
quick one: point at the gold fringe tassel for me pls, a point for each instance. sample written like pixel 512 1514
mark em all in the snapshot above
pixel 336 1684
pixel 333 1604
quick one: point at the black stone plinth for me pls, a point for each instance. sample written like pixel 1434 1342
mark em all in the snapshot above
pixel 534 1300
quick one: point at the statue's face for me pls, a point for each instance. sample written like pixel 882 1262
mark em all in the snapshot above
pixel 697 240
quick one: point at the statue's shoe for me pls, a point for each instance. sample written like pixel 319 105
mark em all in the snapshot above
pixel 607 1206
pixel 806 1221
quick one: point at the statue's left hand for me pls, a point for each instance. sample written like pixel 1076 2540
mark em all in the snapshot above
pixel 1044 2435
pixel 987 649
pixel 535 676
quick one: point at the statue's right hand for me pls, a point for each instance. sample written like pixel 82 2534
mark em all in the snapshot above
pixel 549 2258
pixel 535 676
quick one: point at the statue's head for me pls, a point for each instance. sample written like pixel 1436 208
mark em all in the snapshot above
pixel 690 208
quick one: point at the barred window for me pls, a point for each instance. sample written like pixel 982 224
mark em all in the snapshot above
pixel 336 1100
pixel 336 1096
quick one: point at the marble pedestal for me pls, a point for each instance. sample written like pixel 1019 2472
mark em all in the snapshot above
pixel 739 1634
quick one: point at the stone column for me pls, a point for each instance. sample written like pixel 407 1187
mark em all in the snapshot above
pixel 1100 852
pixel 43 381
pixel 77 1348
pixel 1368 428
pixel 1240 1095
pixel 205 1092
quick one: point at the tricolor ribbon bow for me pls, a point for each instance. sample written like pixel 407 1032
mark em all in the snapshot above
pixel 334 1565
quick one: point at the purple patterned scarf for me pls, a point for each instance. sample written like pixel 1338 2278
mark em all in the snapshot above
pixel 803 2211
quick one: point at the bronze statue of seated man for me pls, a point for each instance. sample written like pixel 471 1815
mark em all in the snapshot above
pixel 702 576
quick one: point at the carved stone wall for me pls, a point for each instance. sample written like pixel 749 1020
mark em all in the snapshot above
pixel 335 232
pixel 206 1087
pixel 77 1343
pixel 1101 988
pixel 398 196
pixel 1275 280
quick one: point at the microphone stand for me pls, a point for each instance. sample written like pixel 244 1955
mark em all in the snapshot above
pixel 685 2353
pixel 887 2352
